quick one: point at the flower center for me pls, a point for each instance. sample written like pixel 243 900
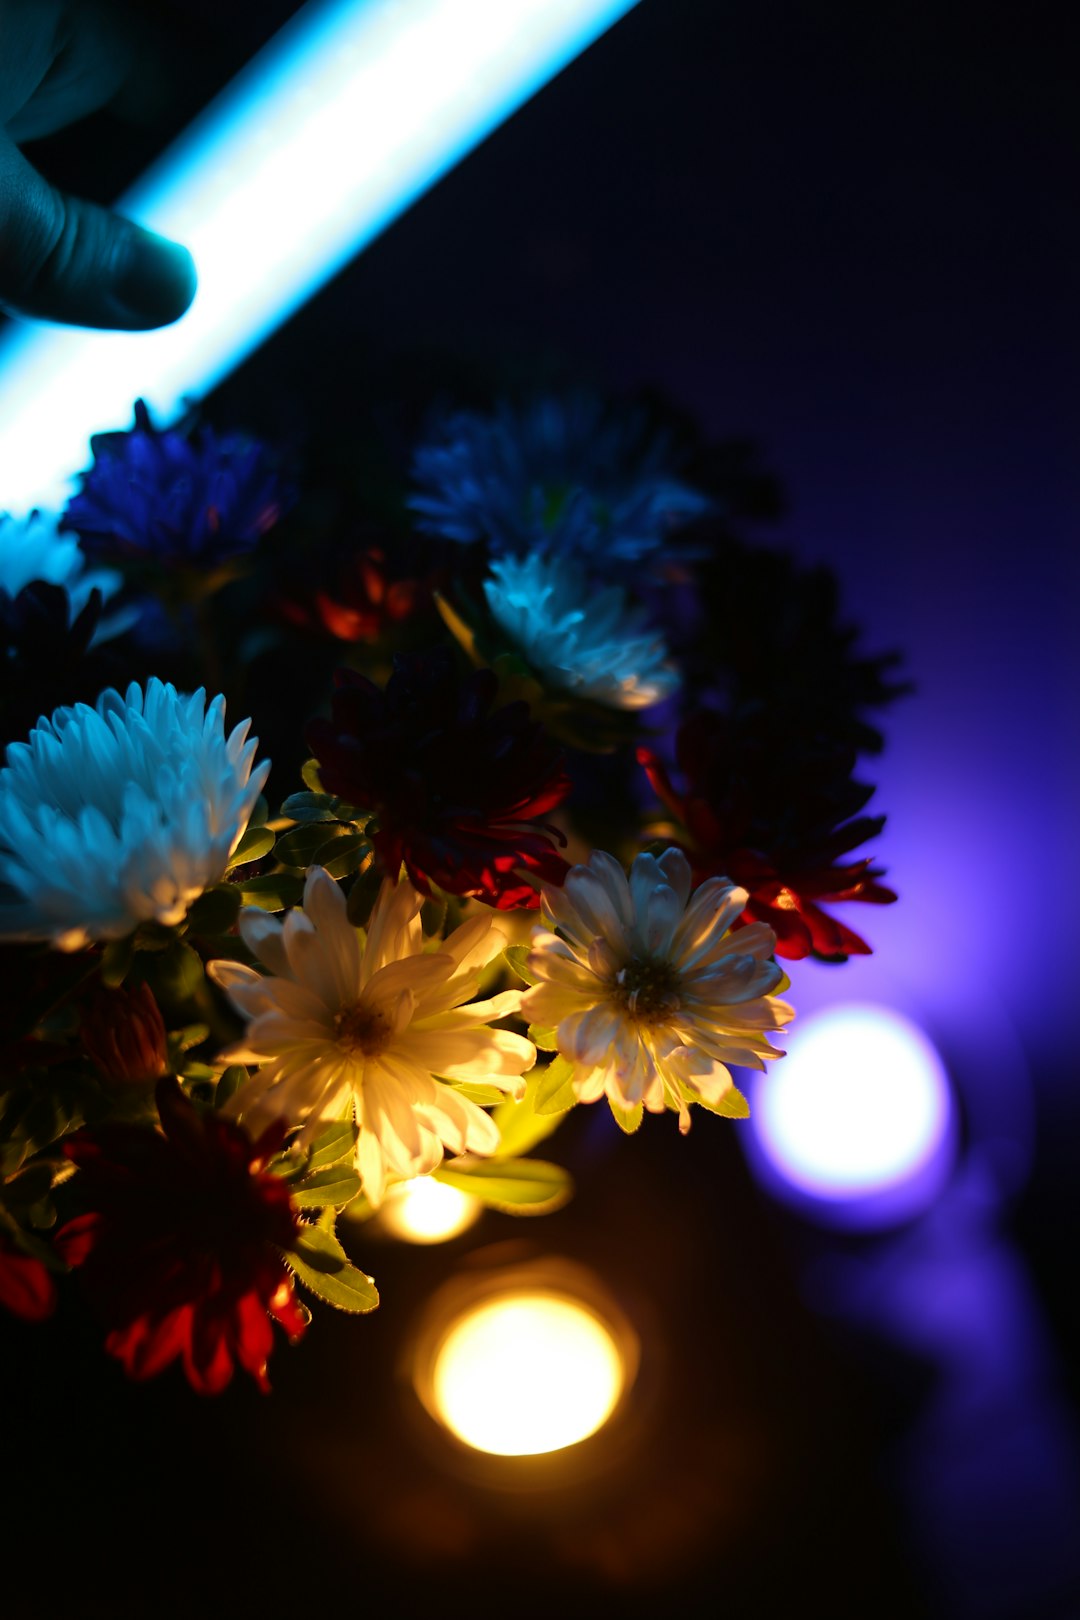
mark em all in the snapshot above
pixel 363 1029
pixel 648 989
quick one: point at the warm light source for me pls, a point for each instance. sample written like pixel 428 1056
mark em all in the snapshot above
pixel 857 1122
pixel 427 1211
pixel 526 1373
pixel 349 114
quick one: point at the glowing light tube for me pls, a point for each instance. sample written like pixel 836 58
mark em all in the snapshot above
pixel 856 1126
pixel 348 115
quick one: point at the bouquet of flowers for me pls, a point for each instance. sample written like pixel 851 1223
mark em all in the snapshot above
pixel 564 777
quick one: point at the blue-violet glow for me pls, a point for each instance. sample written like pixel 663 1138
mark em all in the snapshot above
pixel 858 1116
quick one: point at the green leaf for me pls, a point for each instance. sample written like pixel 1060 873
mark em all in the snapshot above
pixel 309 772
pixel 335 1186
pixel 216 911
pixel 256 842
pixel 554 1089
pixel 182 1040
pixel 308 807
pixel 331 1146
pixel 543 1036
pixel 515 1186
pixel 483 1096
pixel 230 1082
pixel 273 892
pixel 517 957
pixel 260 813
pixel 520 1126
pixel 343 855
pixel 300 845
pixel 177 972
pixel 322 1265
pixel 116 959
pixel 627 1119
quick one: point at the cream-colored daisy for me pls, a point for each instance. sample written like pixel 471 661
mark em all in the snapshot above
pixel 649 994
pixel 376 1020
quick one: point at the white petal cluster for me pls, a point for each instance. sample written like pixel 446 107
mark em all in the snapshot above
pixel 649 993
pixel 118 814
pixel 32 548
pixel 591 643
pixel 375 1024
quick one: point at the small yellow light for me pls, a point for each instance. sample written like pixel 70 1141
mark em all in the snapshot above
pixel 427 1211
pixel 526 1372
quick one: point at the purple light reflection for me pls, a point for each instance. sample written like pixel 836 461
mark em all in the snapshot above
pixel 856 1127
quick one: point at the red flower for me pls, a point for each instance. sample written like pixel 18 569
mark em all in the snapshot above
pixel 26 1287
pixel 124 1034
pixel 179 1249
pixel 364 601
pixel 770 810
pixel 457 786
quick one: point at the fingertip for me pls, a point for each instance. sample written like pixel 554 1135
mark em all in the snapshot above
pixel 155 280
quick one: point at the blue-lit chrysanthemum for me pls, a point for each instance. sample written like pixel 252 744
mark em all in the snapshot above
pixel 120 814
pixel 509 477
pixel 32 550
pixel 179 501
pixel 593 644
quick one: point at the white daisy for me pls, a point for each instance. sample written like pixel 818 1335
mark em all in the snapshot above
pixel 649 995
pixel 114 815
pixel 591 643
pixel 374 1022
pixel 32 548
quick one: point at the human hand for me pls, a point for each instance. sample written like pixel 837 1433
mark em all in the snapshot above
pixel 61 258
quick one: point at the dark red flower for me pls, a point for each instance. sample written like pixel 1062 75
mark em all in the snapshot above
pixel 364 599
pixel 124 1034
pixel 179 1250
pixel 26 1286
pixel 458 787
pixel 775 813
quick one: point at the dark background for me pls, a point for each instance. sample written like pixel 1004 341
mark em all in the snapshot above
pixel 848 233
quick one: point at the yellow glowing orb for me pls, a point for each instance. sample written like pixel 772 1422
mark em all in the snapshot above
pixel 526 1373
pixel 427 1211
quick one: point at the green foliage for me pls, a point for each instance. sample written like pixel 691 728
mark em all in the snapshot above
pixel 321 1264
pixel 517 959
pixel 40 1111
pixel 313 807
pixel 256 842
pixel 554 1088
pixel 229 1083
pixel 176 972
pixel 335 1143
pixel 333 1187
pixel 521 1127
pixel 515 1186
pixel 116 959
pixel 215 911
pixel 309 773
pixel 543 1036
pixel 274 891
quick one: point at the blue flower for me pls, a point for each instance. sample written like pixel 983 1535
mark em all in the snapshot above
pixel 32 550
pixel 181 502
pixel 513 478
pixel 592 644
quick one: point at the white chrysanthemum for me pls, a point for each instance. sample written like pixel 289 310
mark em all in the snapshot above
pixel 376 1020
pixel 649 994
pixel 118 814
pixel 32 548
pixel 591 643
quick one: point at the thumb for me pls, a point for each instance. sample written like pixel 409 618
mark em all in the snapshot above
pixel 63 259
